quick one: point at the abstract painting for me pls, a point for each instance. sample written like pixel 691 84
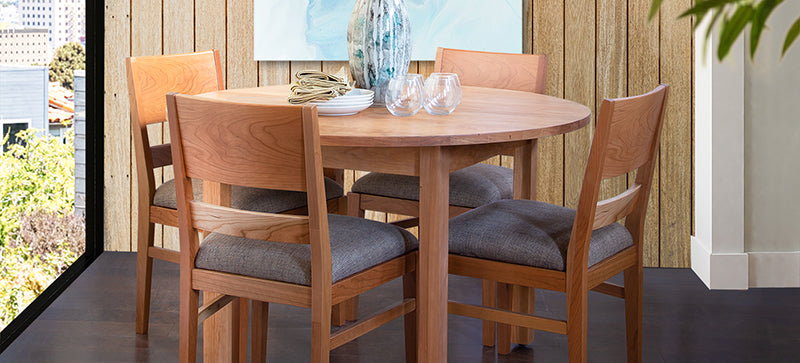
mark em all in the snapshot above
pixel 317 29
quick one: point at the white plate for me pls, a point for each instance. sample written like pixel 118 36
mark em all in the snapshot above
pixel 343 105
pixel 342 110
pixel 355 95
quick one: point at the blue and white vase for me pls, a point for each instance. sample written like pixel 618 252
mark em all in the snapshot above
pixel 378 44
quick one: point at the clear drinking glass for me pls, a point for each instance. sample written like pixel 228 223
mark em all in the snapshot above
pixel 442 93
pixel 404 95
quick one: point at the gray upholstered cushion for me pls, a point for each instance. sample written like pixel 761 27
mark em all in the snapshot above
pixel 253 199
pixel 470 187
pixel 356 244
pixel 530 233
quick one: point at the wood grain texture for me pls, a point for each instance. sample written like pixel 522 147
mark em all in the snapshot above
pixel 117 159
pixel 253 225
pixel 643 75
pixel 615 208
pixel 502 316
pixel 579 86
pixel 217 151
pixel 178 37
pixel 548 38
pixel 210 29
pixel 519 72
pixel 146 23
pixel 612 66
pixel 676 147
pixel 275 138
pixel 612 145
pixel 136 26
pixel 241 69
pixel 376 127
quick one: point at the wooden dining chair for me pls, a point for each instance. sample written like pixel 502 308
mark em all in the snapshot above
pixel 472 186
pixel 540 245
pixel 311 261
pixel 149 80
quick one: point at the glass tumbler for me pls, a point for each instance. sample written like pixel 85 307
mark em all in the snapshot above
pixel 442 93
pixel 404 95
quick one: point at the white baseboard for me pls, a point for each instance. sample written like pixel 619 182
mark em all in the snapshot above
pixel 774 269
pixel 719 271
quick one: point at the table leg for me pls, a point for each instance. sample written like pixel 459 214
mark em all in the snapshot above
pixel 432 298
pixel 525 169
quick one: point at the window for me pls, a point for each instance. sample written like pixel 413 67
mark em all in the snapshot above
pixel 11 129
pixel 91 117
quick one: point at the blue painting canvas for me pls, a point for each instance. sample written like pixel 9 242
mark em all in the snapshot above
pixel 317 29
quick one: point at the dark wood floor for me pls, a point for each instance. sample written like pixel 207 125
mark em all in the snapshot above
pixel 683 322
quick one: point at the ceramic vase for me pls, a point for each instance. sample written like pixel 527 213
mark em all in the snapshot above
pixel 378 44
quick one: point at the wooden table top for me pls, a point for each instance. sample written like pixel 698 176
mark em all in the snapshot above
pixel 485 115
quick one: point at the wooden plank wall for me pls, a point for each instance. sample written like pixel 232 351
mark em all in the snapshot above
pixel 597 50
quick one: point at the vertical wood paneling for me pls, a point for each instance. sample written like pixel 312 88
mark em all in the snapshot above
pixel 596 49
pixel 116 128
pixel 579 86
pixel 178 38
pixel 612 68
pixel 676 138
pixel 643 76
pixel 146 24
pixel 242 69
pixel 548 38
pixel 273 73
pixel 425 68
pixel 209 28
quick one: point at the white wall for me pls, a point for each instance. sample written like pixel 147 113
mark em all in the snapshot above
pixel 747 160
pixel 772 140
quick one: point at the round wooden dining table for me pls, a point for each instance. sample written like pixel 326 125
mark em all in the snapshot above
pixel 488 122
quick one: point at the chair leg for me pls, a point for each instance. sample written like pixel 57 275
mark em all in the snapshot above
pixel 258 340
pixel 243 325
pixel 489 299
pixel 504 297
pixel 577 321
pixel 523 302
pixel 410 319
pixel 189 300
pixel 144 274
pixel 633 312
pixel 320 331
pixel 344 311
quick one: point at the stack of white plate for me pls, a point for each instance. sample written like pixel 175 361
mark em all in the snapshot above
pixel 351 103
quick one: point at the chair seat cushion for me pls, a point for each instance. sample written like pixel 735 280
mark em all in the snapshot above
pixel 252 199
pixel 470 187
pixel 356 244
pixel 529 233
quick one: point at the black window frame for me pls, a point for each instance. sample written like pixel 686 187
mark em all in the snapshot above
pixel 94 177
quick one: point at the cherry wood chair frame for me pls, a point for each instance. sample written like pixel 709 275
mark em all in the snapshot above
pixel 626 139
pixel 518 72
pixel 292 161
pixel 149 80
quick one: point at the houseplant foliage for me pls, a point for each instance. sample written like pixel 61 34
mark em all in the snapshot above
pixel 731 17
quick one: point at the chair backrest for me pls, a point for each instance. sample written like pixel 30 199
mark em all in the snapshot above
pixel 149 80
pixel 626 139
pixel 259 146
pixel 518 72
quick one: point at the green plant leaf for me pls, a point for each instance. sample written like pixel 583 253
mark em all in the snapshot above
pixel 654 6
pixel 733 27
pixel 762 13
pixel 791 36
pixel 702 7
